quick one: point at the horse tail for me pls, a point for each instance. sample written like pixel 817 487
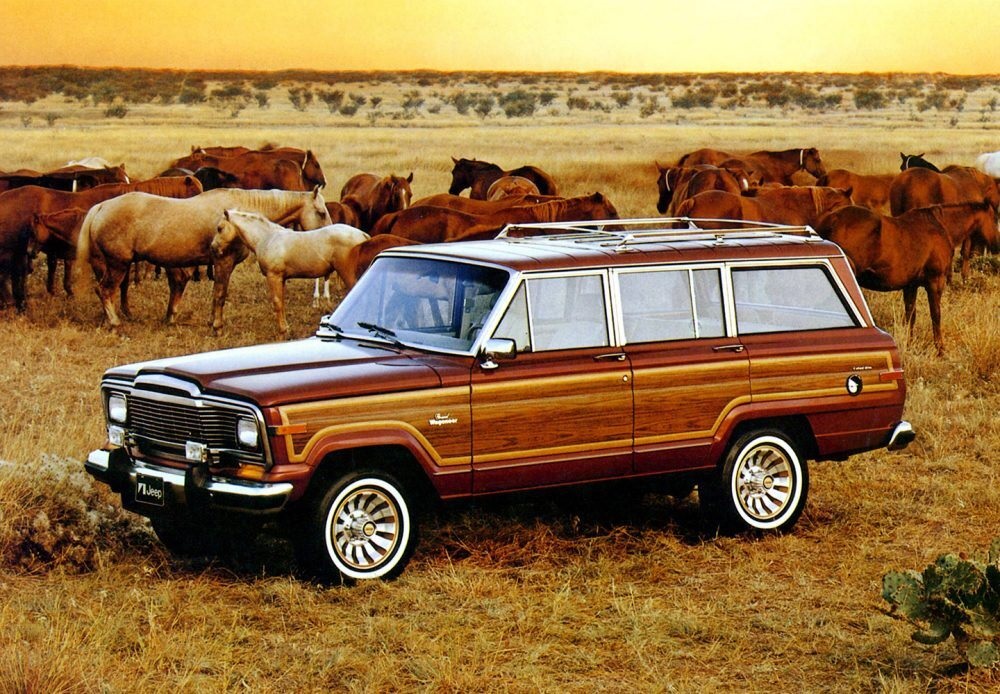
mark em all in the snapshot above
pixel 83 270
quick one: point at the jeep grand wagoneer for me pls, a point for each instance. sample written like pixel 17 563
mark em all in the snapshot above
pixel 554 355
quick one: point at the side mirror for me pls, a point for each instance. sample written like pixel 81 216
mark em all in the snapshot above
pixel 497 348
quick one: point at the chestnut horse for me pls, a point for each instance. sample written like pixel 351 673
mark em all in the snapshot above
pixel 908 251
pixel 249 163
pixel 18 206
pixel 72 178
pixel 57 233
pixel 284 254
pixel 677 183
pixel 799 206
pixel 377 196
pixel 867 190
pixel 920 187
pixel 772 167
pixel 360 257
pixel 507 186
pixel 178 234
pixel 479 175
pixel 472 206
pixel 438 224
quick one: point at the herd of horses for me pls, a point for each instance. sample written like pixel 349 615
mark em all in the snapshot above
pixel 216 205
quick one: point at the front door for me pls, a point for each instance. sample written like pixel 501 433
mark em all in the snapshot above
pixel 560 411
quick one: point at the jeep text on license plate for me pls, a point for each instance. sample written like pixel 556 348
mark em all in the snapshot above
pixel 149 489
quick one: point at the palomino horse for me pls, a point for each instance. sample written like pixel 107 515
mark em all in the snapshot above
pixel 989 164
pixel 772 167
pixel 284 254
pixel 906 252
pixel 18 206
pixel 426 224
pixel 867 190
pixel 479 175
pixel 677 183
pixel 507 186
pixel 798 205
pixel 177 234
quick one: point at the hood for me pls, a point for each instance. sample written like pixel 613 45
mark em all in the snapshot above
pixel 300 371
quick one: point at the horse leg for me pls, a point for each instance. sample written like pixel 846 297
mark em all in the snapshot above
pixel 965 255
pixel 935 288
pixel 111 280
pixel 910 306
pixel 222 269
pixel 18 281
pixel 276 283
pixel 123 290
pixel 177 279
pixel 316 294
pixel 52 264
pixel 68 275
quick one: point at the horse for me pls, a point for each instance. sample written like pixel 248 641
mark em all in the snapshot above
pixel 297 165
pixel 18 206
pixel 438 225
pixel 209 177
pixel 360 257
pixel 473 206
pixel 905 252
pixel 56 233
pixel 377 196
pixel 917 187
pixel 677 183
pixel 989 164
pixel 771 166
pixel 507 186
pixel 910 161
pixel 178 234
pixel 479 175
pixel 867 190
pixel 71 178
pixel 798 206
pixel 284 254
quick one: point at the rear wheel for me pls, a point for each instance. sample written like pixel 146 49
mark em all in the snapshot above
pixel 762 485
pixel 361 528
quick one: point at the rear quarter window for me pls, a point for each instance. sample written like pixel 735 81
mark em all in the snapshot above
pixel 781 299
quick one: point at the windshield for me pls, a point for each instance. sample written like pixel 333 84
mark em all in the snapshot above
pixel 421 302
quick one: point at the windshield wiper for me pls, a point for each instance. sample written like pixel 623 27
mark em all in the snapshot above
pixel 379 331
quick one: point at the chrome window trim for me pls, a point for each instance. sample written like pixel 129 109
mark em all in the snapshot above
pixel 609 314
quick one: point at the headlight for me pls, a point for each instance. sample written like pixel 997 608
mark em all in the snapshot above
pixel 117 408
pixel 246 433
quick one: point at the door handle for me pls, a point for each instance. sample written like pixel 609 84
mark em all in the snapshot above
pixel 728 348
pixel 617 356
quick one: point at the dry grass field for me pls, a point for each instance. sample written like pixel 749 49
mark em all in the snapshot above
pixel 577 592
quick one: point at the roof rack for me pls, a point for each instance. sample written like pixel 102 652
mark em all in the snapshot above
pixel 623 233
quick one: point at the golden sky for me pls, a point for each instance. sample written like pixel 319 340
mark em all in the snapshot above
pixel 957 36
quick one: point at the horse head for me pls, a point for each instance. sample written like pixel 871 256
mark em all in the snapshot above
pixel 663 184
pixel 810 161
pixel 314 214
pixel 601 207
pixel 911 161
pixel 225 233
pixel 312 172
pixel 466 171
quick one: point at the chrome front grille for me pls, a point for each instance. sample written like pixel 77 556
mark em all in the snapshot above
pixel 160 424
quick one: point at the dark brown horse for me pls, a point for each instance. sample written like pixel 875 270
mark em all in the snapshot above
pixel 799 205
pixel 906 252
pixel 772 167
pixel 867 190
pixel 375 196
pixel 69 178
pixel 913 161
pixel 18 207
pixel 478 176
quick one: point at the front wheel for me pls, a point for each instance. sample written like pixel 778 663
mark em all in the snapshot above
pixel 361 528
pixel 762 485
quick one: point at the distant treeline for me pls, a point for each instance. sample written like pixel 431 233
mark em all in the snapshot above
pixel 105 85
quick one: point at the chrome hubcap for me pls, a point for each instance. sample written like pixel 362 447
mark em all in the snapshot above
pixel 764 483
pixel 365 528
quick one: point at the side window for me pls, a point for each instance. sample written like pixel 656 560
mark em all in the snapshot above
pixel 778 299
pixel 514 324
pixel 671 304
pixel 567 312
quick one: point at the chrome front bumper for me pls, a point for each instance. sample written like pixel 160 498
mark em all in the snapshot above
pixel 193 487
pixel 901 437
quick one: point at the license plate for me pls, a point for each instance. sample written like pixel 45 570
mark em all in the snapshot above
pixel 149 489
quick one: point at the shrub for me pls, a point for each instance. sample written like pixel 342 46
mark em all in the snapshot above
pixel 869 99
pixel 300 97
pixel 333 98
pixel 484 105
pixel 518 103
pixel 955 597
pixel 192 94
pixel 116 111
pixel 702 97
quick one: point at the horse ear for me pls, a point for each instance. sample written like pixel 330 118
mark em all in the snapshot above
pixel 409 179
pixel 315 192
pixel 454 160
pixel 659 167
pixel 902 156
pixel 225 213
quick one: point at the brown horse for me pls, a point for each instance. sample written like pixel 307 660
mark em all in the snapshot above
pixel 57 233
pixel 921 187
pixel 867 190
pixel 177 234
pixel 507 186
pixel 361 256
pixel 377 196
pixel 69 178
pixel 799 206
pixel 472 206
pixel 479 175
pixel 772 167
pixel 438 224
pixel 677 183
pixel 906 252
pixel 238 160
pixel 18 206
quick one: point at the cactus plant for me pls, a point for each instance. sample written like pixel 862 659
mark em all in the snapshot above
pixel 954 596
